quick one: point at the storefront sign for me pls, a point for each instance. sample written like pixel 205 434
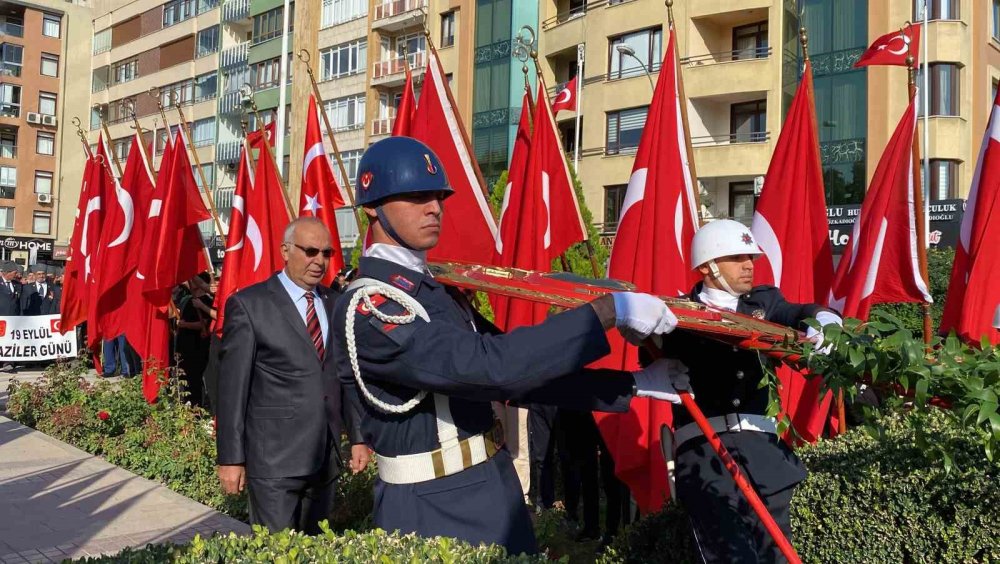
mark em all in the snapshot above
pixel 945 216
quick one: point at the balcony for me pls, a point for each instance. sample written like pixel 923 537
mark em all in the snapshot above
pixel 728 72
pixel 392 73
pixel 11 29
pixel 10 69
pixel 397 15
pixel 10 110
pixel 383 126
pixel 732 154
pixel 235 56
pixel 228 152
pixel 235 10
pixel 724 8
pixel 231 103
pixel 8 151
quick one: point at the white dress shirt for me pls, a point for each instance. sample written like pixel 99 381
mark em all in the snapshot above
pixel 298 296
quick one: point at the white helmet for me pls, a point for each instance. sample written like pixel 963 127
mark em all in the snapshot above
pixel 722 238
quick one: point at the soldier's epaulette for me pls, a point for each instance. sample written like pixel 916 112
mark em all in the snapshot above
pixel 376 300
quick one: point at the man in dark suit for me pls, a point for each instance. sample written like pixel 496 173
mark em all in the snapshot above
pixel 41 296
pixel 10 290
pixel 279 404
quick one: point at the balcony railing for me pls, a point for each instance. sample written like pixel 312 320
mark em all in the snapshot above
pixel 230 102
pixel 577 12
pixel 10 69
pixel 234 56
pixel 8 151
pixel 235 10
pixel 730 139
pixel 228 152
pixel 392 8
pixel 12 29
pixel 383 126
pixel 10 110
pixel 750 54
pixel 382 69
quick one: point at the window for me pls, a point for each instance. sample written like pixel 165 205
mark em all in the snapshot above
pixel 203 132
pixel 10 100
pixel 268 25
pixel 448 29
pixel 937 9
pixel 208 41
pixel 177 94
pixel 50 25
pixel 124 71
pixel 6 219
pixel 8 181
pixel 41 222
pixel 336 12
pixel 95 117
pixel 45 143
pixel 943 179
pixel 47 103
pixel 206 86
pixel 100 78
pixel 646 44
pixel 944 89
pixel 614 197
pixel 351 160
pixel 102 41
pixel 206 5
pixel 625 130
pixel 50 65
pixel 176 11
pixel 748 122
pixel 265 73
pixel 208 169
pixel 12 25
pixel 347 113
pixel 413 45
pixel 750 41
pixel 120 148
pixel 43 182
pixel 10 59
pixel 996 20
pixel 8 144
pixel 742 202
pixel 343 60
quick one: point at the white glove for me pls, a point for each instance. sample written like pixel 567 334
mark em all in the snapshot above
pixel 662 380
pixel 637 316
pixel 816 335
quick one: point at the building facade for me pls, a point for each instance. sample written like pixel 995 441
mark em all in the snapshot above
pixel 39 174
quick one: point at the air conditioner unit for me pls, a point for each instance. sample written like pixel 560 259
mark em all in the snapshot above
pixel 49 120
pixel 44 198
pixel 34 117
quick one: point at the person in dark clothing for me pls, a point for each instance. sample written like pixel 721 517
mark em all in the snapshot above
pixel 193 337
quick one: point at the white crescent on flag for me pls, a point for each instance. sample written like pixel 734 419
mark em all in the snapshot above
pixel 128 210
pixel 563 97
pixel 239 205
pixel 256 241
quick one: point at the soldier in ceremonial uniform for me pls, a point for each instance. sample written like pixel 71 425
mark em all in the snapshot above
pixel 423 365
pixel 726 381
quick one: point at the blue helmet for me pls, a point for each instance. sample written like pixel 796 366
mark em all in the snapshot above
pixel 398 165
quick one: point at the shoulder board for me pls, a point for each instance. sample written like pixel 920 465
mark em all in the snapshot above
pixel 377 300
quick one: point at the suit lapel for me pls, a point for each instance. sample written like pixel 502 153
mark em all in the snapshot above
pixel 284 303
pixel 329 297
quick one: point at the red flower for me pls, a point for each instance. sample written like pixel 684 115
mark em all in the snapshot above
pixel 103 415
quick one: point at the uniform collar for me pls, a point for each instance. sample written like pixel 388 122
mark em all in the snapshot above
pixel 407 258
pixel 718 298
pixel 395 274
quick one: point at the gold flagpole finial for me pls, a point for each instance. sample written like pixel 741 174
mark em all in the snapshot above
pixel 804 39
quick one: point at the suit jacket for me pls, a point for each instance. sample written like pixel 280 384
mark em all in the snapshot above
pixel 34 304
pixel 279 406
pixel 10 302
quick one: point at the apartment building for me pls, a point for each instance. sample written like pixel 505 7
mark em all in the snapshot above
pixel 740 63
pixel 41 162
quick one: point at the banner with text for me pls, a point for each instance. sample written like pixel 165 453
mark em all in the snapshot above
pixel 32 338
pixel 946 222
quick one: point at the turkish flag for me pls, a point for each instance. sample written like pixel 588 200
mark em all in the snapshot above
pixel 566 98
pixel 890 49
pixel 790 226
pixel 320 195
pixel 256 229
pixel 658 219
pixel 180 252
pixel 73 305
pixel 468 230
pixel 973 293
pixel 523 223
pixel 121 241
pixel 879 264
pixel 102 190
pixel 407 107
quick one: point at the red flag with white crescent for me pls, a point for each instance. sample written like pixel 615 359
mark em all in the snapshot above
pixel 102 191
pixel 566 97
pixel 891 48
pixel 320 195
pixel 73 305
pixel 973 295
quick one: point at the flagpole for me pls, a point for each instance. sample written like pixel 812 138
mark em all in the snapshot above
pixel 83 136
pixel 303 56
pixel 579 106
pixel 918 199
pixel 138 130
pixel 541 80
pixel 695 188
pixel 201 172
pixel 267 153
pixel 927 132
pixel 107 139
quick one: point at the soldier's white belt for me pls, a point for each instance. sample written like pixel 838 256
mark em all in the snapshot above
pixel 728 423
pixel 445 461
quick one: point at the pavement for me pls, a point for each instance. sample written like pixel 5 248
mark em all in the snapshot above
pixel 59 502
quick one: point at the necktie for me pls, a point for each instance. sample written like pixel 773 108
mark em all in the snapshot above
pixel 312 325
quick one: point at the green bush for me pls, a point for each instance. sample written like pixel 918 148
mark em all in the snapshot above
pixel 290 547
pixel 868 500
pixel 168 442
pixel 939 272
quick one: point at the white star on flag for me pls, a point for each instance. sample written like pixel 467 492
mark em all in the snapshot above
pixel 312 203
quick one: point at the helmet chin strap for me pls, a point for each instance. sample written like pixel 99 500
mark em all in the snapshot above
pixel 387 227
pixel 720 279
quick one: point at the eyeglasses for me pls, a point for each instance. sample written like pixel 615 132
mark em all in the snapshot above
pixel 311 252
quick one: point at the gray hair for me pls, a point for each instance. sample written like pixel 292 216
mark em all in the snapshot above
pixel 289 237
